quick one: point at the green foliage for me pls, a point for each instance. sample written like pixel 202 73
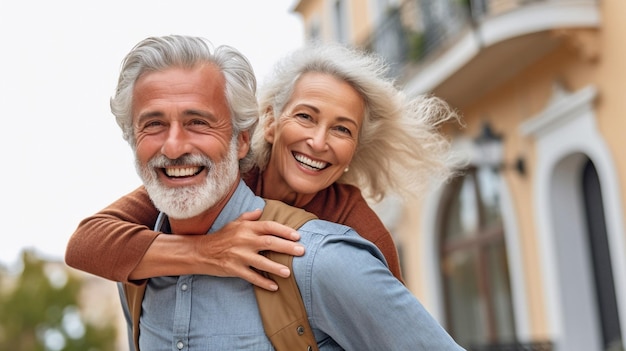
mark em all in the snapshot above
pixel 40 313
pixel 416 46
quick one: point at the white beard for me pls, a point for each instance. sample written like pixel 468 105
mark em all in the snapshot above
pixel 190 201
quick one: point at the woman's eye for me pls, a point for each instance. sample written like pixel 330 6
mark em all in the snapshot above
pixel 343 130
pixel 303 116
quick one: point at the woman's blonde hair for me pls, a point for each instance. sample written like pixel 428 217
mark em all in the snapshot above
pixel 400 148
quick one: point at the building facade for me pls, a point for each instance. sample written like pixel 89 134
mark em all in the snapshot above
pixel 526 247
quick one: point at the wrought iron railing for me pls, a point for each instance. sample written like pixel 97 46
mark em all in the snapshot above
pixel 529 346
pixel 416 29
pixel 410 32
pixel 391 40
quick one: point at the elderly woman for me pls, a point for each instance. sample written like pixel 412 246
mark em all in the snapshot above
pixel 331 124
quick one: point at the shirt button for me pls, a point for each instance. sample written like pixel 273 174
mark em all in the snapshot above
pixel 180 345
pixel 184 287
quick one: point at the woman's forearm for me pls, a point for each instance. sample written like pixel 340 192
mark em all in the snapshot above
pixel 117 244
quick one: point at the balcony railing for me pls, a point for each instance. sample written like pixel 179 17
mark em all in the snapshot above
pixel 392 41
pixel 409 33
pixel 417 29
pixel 531 346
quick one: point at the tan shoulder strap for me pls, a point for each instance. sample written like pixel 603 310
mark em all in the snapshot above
pixel 290 216
pixel 283 314
pixel 134 296
pixel 284 317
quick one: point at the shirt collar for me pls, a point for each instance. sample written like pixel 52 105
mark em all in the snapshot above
pixel 243 200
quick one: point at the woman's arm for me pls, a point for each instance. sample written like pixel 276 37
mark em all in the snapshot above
pixel 117 244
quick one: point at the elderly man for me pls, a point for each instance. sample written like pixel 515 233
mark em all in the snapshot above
pixel 188 112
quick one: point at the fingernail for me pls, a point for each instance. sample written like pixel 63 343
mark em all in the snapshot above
pixel 273 287
pixel 284 272
pixel 298 250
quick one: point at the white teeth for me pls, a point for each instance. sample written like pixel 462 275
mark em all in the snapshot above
pixel 181 172
pixel 309 162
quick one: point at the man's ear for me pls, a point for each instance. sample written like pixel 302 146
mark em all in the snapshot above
pixel 243 144
pixel 269 125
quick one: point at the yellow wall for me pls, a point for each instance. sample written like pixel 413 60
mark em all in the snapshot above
pixel 358 23
pixel 586 57
pixel 611 76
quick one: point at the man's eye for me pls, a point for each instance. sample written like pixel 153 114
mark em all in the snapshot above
pixel 199 122
pixel 152 125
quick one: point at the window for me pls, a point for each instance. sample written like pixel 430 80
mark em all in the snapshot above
pixel 314 30
pixel 341 16
pixel 475 274
pixel 601 258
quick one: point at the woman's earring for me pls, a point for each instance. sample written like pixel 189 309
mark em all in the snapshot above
pixel 346 170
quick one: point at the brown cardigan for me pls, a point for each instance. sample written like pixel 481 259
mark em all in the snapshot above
pixel 109 244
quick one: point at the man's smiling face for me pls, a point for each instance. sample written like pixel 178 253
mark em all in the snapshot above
pixel 185 150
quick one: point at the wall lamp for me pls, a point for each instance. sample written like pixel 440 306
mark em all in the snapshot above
pixel 490 149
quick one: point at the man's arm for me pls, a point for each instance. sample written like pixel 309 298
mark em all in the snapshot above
pixel 117 244
pixel 354 298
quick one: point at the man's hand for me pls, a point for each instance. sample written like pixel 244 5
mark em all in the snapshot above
pixel 233 251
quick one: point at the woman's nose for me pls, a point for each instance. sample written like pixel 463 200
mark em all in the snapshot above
pixel 318 139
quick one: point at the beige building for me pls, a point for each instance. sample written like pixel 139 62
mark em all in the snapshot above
pixel 527 247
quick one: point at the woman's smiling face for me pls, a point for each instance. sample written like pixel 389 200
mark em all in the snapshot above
pixel 315 137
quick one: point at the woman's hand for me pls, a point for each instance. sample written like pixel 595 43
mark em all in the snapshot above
pixel 233 251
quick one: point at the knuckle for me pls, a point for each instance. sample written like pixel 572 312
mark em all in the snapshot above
pixel 268 241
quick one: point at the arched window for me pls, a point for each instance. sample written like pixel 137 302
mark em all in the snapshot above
pixel 475 274
pixel 600 258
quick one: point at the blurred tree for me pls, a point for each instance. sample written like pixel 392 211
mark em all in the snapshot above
pixel 40 312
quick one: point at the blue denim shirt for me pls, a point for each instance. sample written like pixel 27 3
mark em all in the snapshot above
pixel 352 300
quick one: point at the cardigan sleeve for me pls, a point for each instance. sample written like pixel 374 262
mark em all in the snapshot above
pixel 110 244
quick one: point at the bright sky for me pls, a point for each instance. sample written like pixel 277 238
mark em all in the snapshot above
pixel 64 156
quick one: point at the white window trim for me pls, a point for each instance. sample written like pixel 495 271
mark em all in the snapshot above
pixel 565 129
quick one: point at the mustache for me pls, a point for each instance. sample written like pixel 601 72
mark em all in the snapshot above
pixel 162 161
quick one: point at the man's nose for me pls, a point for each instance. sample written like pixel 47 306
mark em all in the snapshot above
pixel 177 142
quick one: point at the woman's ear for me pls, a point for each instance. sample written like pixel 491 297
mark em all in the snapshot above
pixel 269 125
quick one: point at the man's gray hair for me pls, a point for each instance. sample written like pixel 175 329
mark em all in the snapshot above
pixel 159 53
